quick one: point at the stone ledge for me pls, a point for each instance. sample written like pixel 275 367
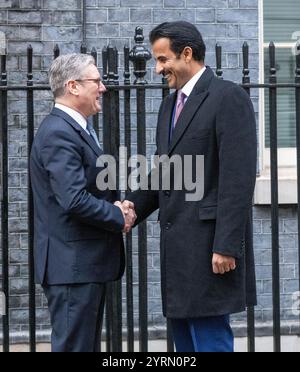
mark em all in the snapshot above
pixel 159 333
pixel 287 187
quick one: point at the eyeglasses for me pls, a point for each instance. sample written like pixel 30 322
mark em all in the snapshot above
pixel 96 81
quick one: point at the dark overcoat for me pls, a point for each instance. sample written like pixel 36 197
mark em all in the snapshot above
pixel 217 121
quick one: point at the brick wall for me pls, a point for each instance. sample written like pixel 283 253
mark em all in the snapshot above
pixel 43 23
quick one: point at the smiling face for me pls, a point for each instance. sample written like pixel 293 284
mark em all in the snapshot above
pixel 176 69
pixel 90 89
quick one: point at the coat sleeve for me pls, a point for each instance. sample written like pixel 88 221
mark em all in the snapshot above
pixel 237 147
pixel 147 202
pixel 62 160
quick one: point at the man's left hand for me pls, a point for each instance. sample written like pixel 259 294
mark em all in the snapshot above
pixel 223 264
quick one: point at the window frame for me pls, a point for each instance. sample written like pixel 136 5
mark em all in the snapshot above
pixel 287 157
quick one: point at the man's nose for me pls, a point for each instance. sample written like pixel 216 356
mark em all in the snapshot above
pixel 159 69
pixel 102 88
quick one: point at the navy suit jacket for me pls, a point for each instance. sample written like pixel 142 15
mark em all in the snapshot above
pixel 77 229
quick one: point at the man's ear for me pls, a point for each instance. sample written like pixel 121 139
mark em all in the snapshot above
pixel 188 54
pixel 73 87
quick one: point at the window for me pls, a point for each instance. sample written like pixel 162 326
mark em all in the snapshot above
pixel 279 21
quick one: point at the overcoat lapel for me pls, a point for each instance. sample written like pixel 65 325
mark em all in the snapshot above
pixel 193 104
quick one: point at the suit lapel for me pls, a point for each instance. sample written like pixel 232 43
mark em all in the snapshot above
pixel 89 140
pixel 84 135
pixel 190 108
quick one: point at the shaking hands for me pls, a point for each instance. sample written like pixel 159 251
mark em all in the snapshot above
pixel 127 209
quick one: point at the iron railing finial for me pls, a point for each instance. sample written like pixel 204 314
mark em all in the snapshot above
pixel 140 55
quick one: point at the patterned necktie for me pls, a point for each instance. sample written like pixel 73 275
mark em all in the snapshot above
pixel 93 133
pixel 179 106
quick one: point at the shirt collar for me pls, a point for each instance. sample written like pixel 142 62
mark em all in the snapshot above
pixel 80 119
pixel 189 86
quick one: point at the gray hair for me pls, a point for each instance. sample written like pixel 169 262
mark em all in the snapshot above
pixel 65 68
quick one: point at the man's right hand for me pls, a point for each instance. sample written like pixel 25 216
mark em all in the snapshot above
pixel 223 264
pixel 127 209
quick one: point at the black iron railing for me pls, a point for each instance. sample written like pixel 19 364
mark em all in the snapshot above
pixel 139 56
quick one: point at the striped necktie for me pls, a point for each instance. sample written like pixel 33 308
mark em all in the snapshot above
pixel 179 107
pixel 177 111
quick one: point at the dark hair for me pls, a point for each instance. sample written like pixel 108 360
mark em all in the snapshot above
pixel 181 34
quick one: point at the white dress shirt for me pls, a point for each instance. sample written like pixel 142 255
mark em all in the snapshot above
pixel 190 85
pixel 80 119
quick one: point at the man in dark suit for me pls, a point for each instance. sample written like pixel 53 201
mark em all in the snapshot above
pixel 78 229
pixel 207 268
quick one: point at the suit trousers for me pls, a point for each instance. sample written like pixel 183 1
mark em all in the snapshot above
pixel 76 316
pixel 211 334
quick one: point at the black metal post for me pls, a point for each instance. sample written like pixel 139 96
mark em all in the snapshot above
pixel 107 150
pixel 84 21
pixel 250 309
pixel 219 71
pixel 297 81
pixel 115 105
pixel 116 153
pixel 83 48
pixel 56 51
pixel 170 337
pixel 116 288
pixel 129 251
pixel 4 206
pixel 274 200
pixel 142 229
pixel 139 56
pixel 30 137
pixel 246 71
pixel 249 227
pixel 105 107
pixel 96 117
